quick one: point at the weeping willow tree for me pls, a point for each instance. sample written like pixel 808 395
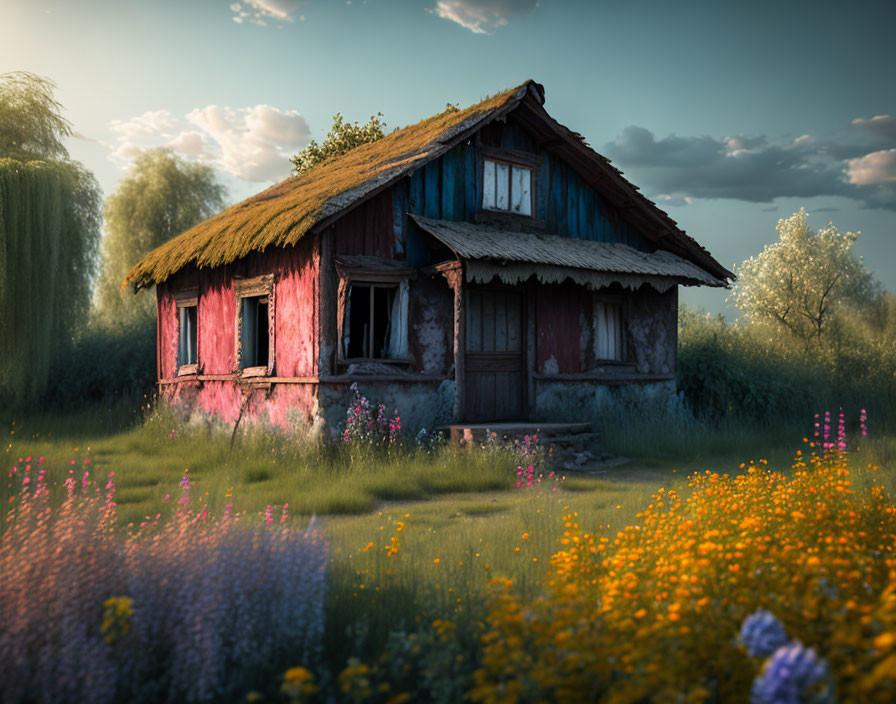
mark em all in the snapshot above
pixel 50 215
pixel 161 196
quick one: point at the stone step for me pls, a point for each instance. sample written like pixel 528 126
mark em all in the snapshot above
pixel 583 440
pixel 479 432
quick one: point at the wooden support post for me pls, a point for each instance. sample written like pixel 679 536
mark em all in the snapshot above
pixel 455 277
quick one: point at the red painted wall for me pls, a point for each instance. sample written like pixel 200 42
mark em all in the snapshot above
pixel 558 313
pixel 295 272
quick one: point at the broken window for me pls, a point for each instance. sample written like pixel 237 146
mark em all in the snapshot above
pixel 375 321
pixel 186 335
pixel 254 332
pixel 254 346
pixel 187 304
pixel 506 187
pixel 607 324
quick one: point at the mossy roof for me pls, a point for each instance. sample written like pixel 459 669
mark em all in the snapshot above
pixel 283 214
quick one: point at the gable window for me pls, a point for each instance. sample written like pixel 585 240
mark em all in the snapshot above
pixel 506 187
pixel 607 325
pixel 255 352
pixel 187 303
pixel 375 321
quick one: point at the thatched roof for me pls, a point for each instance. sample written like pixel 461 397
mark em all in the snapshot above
pixel 283 214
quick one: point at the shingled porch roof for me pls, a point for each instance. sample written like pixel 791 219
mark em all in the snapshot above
pixel 515 256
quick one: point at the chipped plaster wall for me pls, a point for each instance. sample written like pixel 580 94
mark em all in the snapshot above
pixel 576 401
pixel 651 320
pixel 432 324
pixel 421 404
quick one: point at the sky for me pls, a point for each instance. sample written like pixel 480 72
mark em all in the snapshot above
pixel 730 116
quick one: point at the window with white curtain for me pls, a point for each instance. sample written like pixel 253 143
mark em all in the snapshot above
pixel 506 187
pixel 607 328
pixel 375 324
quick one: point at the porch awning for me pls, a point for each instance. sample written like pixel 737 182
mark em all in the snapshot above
pixel 516 256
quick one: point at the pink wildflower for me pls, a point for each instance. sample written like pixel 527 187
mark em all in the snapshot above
pixel 267 515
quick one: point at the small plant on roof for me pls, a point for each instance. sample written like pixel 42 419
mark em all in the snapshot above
pixel 342 137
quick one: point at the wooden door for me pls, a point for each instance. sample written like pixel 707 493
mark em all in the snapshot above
pixel 493 362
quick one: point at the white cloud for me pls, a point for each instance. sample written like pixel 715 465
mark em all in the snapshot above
pixel 879 126
pixel 260 12
pixel 253 143
pixel 873 169
pixel 482 16
pixel 859 163
pixel 126 152
pixel 188 143
pixel 150 123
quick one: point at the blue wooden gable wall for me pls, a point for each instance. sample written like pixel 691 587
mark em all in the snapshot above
pixel 449 188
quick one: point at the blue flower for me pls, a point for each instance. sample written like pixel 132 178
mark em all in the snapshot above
pixel 789 675
pixel 762 634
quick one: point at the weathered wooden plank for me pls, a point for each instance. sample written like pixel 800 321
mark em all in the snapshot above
pixel 415 192
pixel 399 217
pixel 449 168
pixel 488 322
pixel 573 189
pixel 584 193
pixel 460 186
pixel 514 325
pixel 515 137
pixel 500 322
pixel 542 182
pixel 474 322
pixel 471 183
pixel 431 192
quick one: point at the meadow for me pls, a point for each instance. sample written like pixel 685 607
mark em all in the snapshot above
pixel 433 552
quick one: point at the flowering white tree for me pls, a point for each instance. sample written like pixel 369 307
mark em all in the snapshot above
pixel 798 282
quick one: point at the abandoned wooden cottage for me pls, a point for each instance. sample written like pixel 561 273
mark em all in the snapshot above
pixel 482 265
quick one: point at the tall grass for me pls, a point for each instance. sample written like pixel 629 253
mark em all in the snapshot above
pixel 266 465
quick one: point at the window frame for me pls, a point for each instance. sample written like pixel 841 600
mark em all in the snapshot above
pixel 372 285
pixel 186 298
pixel 255 287
pixel 352 272
pixel 511 158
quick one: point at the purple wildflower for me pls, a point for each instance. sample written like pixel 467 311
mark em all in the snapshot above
pixel 789 675
pixel 762 634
